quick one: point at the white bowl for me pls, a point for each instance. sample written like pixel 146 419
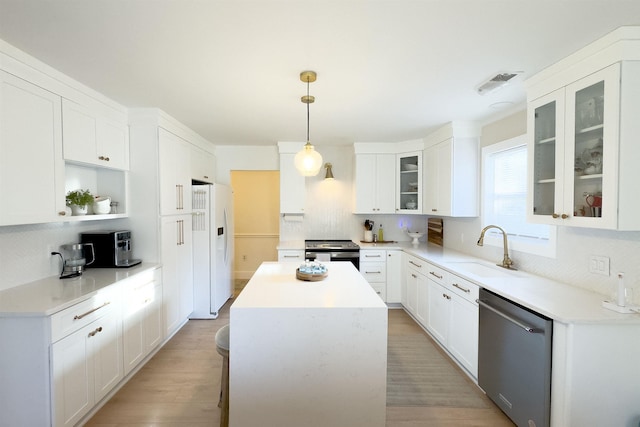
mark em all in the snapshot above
pixel 102 205
pixel 415 236
pixel 410 167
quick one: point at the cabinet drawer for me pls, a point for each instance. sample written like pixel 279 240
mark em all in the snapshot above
pixel 466 289
pixel 73 318
pixel 417 264
pixel 374 272
pixel 291 255
pixel 436 274
pixel 375 255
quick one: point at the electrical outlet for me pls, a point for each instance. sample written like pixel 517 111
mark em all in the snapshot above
pixel 599 265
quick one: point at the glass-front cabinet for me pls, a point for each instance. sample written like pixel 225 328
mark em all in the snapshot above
pixel 573 146
pixel 409 194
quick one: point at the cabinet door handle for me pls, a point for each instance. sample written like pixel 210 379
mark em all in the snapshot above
pixel 106 159
pixel 434 274
pixel 564 216
pixel 372 256
pixel 417 265
pixel 291 256
pixel 461 288
pixel 80 316
pixel 434 210
pixel 62 213
pixel 95 331
pixel 555 215
pixel 446 296
pixel 373 272
pixel 414 276
pixel 206 177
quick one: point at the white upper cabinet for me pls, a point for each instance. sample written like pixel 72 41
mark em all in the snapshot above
pixel 203 165
pixel 175 178
pixel 91 137
pixel 583 144
pixel 375 180
pixel 292 184
pixel 451 171
pixel 31 164
pixel 409 183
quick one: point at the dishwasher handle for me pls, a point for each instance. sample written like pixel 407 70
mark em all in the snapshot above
pixel 521 325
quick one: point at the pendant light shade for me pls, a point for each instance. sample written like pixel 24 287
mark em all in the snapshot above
pixel 308 161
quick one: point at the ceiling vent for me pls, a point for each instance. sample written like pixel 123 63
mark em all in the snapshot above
pixel 496 82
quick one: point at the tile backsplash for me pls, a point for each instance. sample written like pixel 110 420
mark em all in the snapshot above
pixel 25 249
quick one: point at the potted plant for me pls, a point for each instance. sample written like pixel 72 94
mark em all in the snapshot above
pixel 79 200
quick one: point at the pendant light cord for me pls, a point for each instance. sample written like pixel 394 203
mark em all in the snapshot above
pixel 308 109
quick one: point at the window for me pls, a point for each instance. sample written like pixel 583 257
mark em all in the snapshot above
pixel 504 200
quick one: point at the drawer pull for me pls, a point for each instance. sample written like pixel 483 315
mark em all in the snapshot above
pixel 291 256
pixel 374 256
pixel 417 265
pixel 94 332
pixel 80 316
pixel 461 288
pixel 434 274
pixel 373 272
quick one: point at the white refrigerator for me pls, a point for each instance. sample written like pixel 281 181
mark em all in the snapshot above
pixel 212 249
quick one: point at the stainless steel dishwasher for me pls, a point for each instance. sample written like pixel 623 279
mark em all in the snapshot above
pixel 514 359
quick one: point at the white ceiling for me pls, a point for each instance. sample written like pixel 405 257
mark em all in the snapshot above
pixel 387 70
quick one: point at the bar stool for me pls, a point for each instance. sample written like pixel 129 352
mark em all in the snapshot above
pixel 222 345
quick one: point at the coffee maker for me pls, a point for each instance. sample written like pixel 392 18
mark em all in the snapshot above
pixel 112 248
pixel 74 259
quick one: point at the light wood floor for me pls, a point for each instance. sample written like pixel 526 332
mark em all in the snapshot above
pixel 180 386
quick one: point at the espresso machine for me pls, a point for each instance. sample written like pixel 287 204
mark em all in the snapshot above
pixel 74 258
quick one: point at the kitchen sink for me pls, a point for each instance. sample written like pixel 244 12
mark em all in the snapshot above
pixel 483 270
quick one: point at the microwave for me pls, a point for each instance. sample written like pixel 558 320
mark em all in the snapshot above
pixel 112 248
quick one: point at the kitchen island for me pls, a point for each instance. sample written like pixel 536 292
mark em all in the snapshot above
pixel 308 353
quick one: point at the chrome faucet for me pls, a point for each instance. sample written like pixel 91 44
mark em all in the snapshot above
pixel 506 261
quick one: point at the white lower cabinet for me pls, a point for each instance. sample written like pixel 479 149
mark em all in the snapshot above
pixel 382 269
pixel 64 364
pixel 285 255
pixel 177 271
pixel 453 318
pixel 415 295
pixel 142 318
pixel 373 267
pixel 394 276
pixel 87 363
pixel 446 306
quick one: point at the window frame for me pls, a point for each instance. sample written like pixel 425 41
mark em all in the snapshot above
pixel 534 246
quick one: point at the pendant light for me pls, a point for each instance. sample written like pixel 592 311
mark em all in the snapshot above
pixel 308 161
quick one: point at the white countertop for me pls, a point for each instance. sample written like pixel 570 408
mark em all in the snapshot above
pixel 559 301
pixel 274 285
pixel 52 294
pixel 291 245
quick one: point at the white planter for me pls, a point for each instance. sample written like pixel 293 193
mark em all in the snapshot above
pixel 78 210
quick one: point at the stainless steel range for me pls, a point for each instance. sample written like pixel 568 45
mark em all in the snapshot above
pixel 333 250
